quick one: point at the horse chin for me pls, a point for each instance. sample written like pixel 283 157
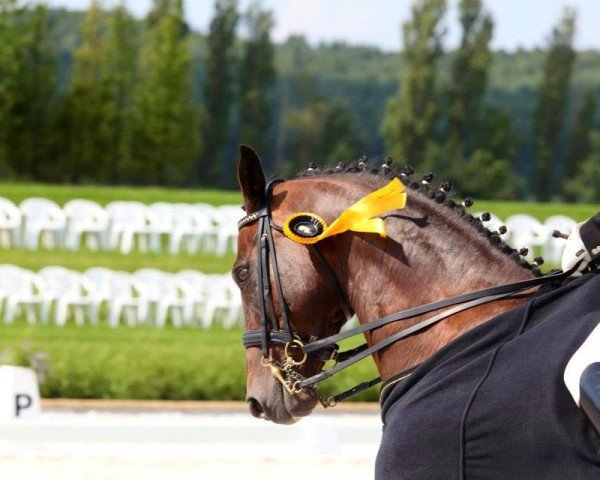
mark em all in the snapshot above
pixel 301 404
pixel 289 409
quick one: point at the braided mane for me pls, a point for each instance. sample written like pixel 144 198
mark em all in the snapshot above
pixel 440 198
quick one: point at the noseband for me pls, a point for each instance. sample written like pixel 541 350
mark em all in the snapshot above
pixel 325 349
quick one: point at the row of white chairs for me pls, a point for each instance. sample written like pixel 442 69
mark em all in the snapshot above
pixel 146 297
pixel 525 231
pixel 191 227
pixel 120 225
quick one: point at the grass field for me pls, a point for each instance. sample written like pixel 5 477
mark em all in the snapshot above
pixel 142 362
pixel 61 194
pixel 577 211
pixel 82 260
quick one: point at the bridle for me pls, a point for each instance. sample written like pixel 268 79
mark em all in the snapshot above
pixel 270 331
pixel 324 349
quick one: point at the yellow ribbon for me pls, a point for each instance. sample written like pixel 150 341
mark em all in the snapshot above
pixel 358 217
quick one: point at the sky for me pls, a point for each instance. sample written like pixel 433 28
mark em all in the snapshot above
pixel 518 23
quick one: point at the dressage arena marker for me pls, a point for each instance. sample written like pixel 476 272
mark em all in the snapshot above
pixel 19 394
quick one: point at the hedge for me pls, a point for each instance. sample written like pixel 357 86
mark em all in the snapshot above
pixel 141 362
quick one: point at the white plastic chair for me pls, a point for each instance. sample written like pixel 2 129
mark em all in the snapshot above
pixel 226 219
pixel 121 292
pixel 205 208
pixel 43 222
pixel 192 229
pixel 21 288
pixel 206 224
pixel 553 248
pixel 66 288
pixel 129 296
pixel 221 294
pixel 85 217
pixel 192 284
pixel 100 280
pixel 163 296
pixel 10 224
pixel 183 233
pixel 129 220
pixel 163 214
pixel 526 231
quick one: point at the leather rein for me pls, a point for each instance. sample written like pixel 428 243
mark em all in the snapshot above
pixel 324 349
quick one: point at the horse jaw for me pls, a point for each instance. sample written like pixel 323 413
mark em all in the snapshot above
pixel 273 402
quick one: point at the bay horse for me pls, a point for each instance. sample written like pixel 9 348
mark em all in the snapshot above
pixel 476 395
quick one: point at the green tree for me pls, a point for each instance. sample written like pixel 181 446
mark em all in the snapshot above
pixel 27 86
pixel 218 91
pixel 583 186
pixel 487 172
pixel 7 71
pixel 166 140
pixel 39 84
pixel 410 117
pixel 295 84
pixel 11 66
pixel 83 110
pixel 340 141
pixel 580 144
pixel 118 76
pixel 479 145
pixel 256 78
pixel 469 75
pixel 321 132
pixel 551 106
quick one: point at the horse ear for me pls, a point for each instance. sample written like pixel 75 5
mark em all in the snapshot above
pixel 251 178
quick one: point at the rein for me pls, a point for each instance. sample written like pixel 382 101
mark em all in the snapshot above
pixel 327 348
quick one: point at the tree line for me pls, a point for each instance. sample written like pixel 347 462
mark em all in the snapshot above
pixel 128 112
pixel 111 99
pixel 456 131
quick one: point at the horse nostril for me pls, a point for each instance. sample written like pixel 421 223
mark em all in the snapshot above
pixel 255 407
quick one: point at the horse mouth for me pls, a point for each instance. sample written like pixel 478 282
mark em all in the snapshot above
pixel 285 409
pixel 301 404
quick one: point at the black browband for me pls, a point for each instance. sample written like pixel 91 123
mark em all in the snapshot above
pixel 327 348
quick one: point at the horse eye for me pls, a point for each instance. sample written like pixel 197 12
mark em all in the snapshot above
pixel 242 275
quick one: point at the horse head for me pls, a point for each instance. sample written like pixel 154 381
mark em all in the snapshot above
pixel 293 294
pixel 308 296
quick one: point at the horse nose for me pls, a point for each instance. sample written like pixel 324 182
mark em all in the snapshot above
pixel 255 407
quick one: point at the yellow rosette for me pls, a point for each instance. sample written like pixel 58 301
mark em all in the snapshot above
pixel 308 228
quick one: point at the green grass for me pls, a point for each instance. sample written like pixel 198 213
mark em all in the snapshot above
pixel 541 211
pixel 17 192
pixel 82 260
pixel 142 362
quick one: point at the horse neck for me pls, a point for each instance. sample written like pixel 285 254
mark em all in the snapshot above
pixel 430 254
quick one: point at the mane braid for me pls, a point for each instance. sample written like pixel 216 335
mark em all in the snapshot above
pixel 367 169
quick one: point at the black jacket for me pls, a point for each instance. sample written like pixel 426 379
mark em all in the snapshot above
pixel 493 405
